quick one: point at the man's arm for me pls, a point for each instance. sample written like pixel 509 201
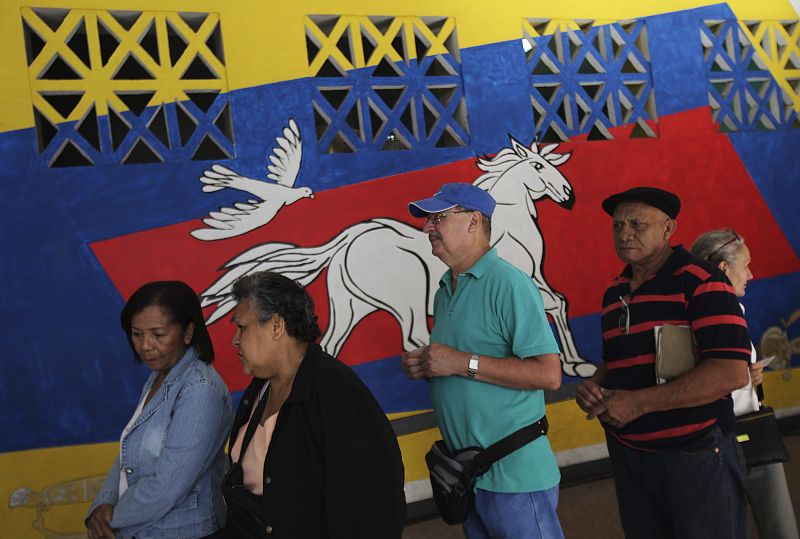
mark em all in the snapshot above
pixel 709 381
pixel 534 372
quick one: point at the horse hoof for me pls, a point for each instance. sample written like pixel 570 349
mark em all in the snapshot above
pixel 583 369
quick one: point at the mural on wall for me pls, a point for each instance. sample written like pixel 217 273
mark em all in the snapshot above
pixel 76 492
pixel 775 343
pixel 149 145
pixel 404 275
pixel 284 166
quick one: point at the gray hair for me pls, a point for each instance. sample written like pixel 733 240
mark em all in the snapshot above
pixel 487 225
pixel 718 246
pixel 271 293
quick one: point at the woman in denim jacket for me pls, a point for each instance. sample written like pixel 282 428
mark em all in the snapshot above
pixel 165 482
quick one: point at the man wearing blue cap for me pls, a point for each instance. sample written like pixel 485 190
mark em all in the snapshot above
pixel 492 353
pixel 677 466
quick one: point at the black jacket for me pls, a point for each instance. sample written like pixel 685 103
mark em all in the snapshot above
pixel 334 467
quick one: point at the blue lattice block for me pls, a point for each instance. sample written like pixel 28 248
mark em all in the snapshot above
pixel 588 77
pixel 386 83
pixel 127 87
pixel 753 70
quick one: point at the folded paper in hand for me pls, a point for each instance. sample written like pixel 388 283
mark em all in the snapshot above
pixel 676 351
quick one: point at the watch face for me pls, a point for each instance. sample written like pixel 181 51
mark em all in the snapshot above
pixel 473 363
pixel 472 368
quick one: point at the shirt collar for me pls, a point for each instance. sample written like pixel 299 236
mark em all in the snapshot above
pixel 478 269
pixel 675 260
pixel 177 370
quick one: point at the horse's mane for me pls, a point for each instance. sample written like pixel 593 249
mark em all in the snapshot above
pixel 495 167
pixel 506 158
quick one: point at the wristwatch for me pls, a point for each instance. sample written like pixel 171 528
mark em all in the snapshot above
pixel 472 367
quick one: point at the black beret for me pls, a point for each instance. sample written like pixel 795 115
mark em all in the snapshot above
pixel 665 201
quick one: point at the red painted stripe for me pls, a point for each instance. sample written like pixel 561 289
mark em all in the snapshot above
pixel 631 361
pixel 668 433
pixel 694 270
pixel 644 326
pixel 718 320
pixel 713 287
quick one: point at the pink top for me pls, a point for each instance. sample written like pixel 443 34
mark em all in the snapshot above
pixel 256 454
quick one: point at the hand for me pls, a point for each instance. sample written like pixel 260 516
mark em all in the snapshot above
pixel 97 523
pixel 588 396
pixel 757 372
pixel 620 407
pixel 434 360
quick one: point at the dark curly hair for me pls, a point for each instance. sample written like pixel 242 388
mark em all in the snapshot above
pixel 180 302
pixel 271 293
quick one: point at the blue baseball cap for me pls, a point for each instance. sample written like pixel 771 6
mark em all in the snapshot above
pixel 451 195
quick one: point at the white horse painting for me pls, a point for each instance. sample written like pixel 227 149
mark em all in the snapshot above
pixel 384 264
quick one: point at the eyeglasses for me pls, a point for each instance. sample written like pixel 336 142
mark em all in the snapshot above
pixel 736 237
pixel 625 317
pixel 436 218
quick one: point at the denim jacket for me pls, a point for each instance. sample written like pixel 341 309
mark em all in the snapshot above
pixel 173 458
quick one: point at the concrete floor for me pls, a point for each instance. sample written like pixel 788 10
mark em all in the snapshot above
pixel 589 510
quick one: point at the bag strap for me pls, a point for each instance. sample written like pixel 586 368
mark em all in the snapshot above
pixel 252 424
pixel 508 445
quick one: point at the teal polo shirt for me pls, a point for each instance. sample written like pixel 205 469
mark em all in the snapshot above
pixel 495 310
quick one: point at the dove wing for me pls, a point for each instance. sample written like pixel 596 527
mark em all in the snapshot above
pixel 219 177
pixel 284 161
pixel 240 219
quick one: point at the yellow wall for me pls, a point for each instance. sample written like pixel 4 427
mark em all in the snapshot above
pixel 264 46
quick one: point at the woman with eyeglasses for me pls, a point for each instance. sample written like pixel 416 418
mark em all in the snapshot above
pixel 766 486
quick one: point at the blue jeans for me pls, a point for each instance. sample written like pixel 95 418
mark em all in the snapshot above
pixel 525 515
pixel 682 494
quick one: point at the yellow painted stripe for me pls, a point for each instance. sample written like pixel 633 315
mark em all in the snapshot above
pixel 60 483
pixel 569 428
pixel 265 45
pixel 782 388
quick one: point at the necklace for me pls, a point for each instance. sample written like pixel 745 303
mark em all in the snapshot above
pixel 274 405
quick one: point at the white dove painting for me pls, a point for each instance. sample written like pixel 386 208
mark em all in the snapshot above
pixel 243 217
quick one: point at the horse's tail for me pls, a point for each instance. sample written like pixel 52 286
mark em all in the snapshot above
pixel 301 264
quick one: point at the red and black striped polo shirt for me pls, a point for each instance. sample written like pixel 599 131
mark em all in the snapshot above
pixel 686 291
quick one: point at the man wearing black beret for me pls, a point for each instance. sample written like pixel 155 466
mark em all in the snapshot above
pixel 677 467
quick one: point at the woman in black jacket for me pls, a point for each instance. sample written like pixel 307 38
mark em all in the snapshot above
pixel 313 454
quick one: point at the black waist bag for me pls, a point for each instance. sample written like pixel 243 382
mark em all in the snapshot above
pixel 453 475
pixel 245 519
pixel 244 508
